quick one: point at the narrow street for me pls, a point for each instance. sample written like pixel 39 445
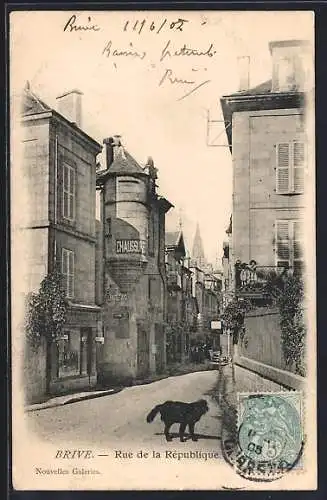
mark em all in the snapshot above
pixel 121 417
pixel 125 451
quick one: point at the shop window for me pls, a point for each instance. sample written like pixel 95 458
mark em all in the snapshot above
pixel 74 353
pixel 69 354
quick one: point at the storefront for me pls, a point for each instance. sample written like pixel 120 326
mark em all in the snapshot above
pixel 75 352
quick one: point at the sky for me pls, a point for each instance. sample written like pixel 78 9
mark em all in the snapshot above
pixel 143 95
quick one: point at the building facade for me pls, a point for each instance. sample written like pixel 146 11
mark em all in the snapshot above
pixel 131 248
pixel 181 304
pixel 59 166
pixel 207 292
pixel 265 127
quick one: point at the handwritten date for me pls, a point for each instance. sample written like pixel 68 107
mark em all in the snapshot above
pixel 138 26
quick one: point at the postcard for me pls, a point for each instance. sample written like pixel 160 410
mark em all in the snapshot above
pixel 163 325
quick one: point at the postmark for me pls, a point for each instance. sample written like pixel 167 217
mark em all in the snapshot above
pixel 269 437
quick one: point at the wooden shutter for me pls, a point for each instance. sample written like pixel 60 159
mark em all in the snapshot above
pixel 282 243
pixel 283 168
pixel 297 244
pixel 68 271
pixel 71 266
pixel 298 166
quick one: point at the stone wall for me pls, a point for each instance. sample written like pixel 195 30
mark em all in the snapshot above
pixel 34 373
pixel 262 338
pixel 260 349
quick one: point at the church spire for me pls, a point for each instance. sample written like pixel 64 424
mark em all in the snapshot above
pixel 198 252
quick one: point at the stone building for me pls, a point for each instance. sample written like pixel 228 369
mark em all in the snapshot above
pixel 181 305
pixel 131 242
pixel 59 167
pixel 206 289
pixel 268 143
pixel 268 139
pixel 228 288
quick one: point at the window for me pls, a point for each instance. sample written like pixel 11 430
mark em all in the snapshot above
pixel 108 227
pixel 69 191
pixel 67 270
pixel 290 159
pixel 289 237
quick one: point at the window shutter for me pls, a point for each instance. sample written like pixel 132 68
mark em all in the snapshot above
pixel 64 262
pixel 297 241
pixel 282 168
pixel 71 181
pixel 282 247
pixel 298 164
pixel 71 274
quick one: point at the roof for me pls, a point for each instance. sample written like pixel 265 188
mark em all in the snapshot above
pixel 33 105
pixel 257 98
pixel 262 88
pixel 123 164
pixel 175 241
pixel 164 203
pixel 172 238
pixel 289 43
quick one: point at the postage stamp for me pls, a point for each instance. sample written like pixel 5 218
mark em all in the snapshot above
pixel 270 435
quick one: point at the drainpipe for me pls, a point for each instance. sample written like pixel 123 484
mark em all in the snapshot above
pixel 161 274
pixel 55 194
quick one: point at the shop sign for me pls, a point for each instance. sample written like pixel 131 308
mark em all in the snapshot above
pixel 215 325
pixel 128 246
pixel 115 296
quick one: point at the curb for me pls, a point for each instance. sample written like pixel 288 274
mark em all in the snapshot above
pixel 73 399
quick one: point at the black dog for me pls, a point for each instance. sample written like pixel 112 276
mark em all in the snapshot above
pixel 177 412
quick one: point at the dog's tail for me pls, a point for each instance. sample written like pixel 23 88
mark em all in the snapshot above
pixel 153 413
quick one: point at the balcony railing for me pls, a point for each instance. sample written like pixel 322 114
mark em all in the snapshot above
pixel 260 281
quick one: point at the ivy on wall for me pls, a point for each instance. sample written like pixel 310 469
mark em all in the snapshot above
pixel 46 311
pixel 287 292
pixel 290 303
pixel 233 316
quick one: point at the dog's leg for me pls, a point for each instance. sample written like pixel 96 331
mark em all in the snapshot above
pixel 191 427
pixel 182 428
pixel 167 427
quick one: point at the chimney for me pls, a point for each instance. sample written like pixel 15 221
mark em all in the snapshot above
pixel 70 106
pixel 114 149
pixel 244 72
pixel 289 62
